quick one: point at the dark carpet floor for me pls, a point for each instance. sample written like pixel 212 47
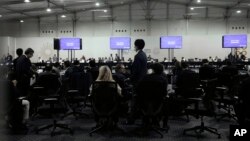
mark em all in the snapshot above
pixel 82 127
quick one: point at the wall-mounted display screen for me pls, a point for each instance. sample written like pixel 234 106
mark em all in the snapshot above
pixel 171 42
pixel 234 41
pixel 70 43
pixel 122 43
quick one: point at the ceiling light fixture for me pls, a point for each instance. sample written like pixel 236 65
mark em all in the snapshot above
pixel 21 21
pixel 105 11
pixel 26 1
pixel 63 16
pixel 48 8
pixel 97 4
pixel 238 11
pixel 1 16
pixel 198 1
pixel 191 8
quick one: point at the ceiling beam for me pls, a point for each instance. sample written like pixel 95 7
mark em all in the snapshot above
pixel 18 12
pixel 60 6
pixel 8 3
pixel 55 6
pixel 237 4
pixel 85 10
pixel 194 4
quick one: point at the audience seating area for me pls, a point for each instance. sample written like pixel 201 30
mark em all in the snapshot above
pixel 178 113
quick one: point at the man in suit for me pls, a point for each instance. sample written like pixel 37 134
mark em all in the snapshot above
pixel 24 71
pixel 187 82
pixel 93 70
pixel 139 66
pixel 156 77
pixel 206 71
pixel 19 53
pixel 138 71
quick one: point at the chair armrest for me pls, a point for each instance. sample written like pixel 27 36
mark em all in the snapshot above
pixel 195 99
pixel 221 88
pixel 73 91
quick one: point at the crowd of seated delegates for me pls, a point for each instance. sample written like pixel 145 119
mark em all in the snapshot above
pixel 13 108
pixel 6 58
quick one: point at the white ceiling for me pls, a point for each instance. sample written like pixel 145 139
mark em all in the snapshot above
pixel 17 9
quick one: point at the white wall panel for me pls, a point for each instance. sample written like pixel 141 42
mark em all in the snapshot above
pixel 216 26
pixel 30 28
pixel 102 28
pixel 177 27
pixel 197 27
pixel 85 29
pixel 121 29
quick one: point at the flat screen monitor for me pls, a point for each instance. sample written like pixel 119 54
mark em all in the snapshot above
pixel 70 43
pixel 171 42
pixel 122 43
pixel 234 41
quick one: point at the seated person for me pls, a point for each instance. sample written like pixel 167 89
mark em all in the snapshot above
pixel 48 80
pixel 67 71
pixel 16 110
pixel 152 89
pixel 206 71
pixel 78 80
pixel 120 75
pixel 187 82
pixel 56 68
pixel 106 75
pixel 230 68
pixel 77 67
pixel 227 74
pixel 157 76
pixel 93 70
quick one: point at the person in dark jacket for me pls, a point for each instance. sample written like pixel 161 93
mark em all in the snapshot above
pixel 19 53
pixel 139 66
pixel 24 72
pixel 206 71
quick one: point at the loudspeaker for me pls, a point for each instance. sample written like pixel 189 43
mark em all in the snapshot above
pixel 56 44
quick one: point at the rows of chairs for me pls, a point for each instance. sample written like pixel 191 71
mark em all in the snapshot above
pixel 105 102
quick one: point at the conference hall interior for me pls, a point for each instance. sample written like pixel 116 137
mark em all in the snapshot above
pixel 74 70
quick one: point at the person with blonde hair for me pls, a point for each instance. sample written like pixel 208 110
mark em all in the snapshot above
pixel 106 75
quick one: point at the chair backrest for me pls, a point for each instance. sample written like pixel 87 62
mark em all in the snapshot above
pixel 80 81
pixel 150 96
pixel 49 81
pixel 76 80
pixel 187 83
pixel 105 98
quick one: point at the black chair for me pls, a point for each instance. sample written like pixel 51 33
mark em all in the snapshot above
pixel 150 98
pixel 227 89
pixel 51 85
pixel 105 102
pixel 78 89
pixel 201 111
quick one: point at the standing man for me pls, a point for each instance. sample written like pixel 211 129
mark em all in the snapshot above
pixel 139 66
pixel 24 71
pixel 138 71
pixel 19 53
